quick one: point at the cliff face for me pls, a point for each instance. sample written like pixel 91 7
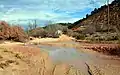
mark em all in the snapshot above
pixel 15 33
pixel 98 20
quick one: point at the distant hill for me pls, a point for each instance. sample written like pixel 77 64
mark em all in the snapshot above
pixel 98 19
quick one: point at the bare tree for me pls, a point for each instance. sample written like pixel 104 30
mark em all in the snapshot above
pixel 108 15
pixel 30 26
pixel 35 24
pixel 49 22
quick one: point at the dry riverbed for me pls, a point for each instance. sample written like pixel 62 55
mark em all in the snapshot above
pixel 99 63
pixel 60 56
pixel 16 59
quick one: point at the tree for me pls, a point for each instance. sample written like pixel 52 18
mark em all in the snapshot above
pixel 108 15
pixel 49 22
pixel 35 24
pixel 95 11
pixel 30 27
pixel 87 16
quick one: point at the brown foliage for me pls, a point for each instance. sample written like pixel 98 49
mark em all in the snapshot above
pixel 15 33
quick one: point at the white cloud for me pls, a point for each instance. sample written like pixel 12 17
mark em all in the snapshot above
pixel 2 6
pixel 19 14
pixel 71 20
pixel 10 10
pixel 6 14
pixel 57 10
pixel 63 5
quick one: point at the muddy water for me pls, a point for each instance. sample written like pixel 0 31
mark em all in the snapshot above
pixel 79 59
pixel 67 55
pixel 61 54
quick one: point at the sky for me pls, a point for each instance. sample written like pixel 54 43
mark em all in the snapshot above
pixel 45 11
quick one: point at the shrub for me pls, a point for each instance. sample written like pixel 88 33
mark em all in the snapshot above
pixel 80 36
pixel 102 37
pixel 15 33
pixel 38 32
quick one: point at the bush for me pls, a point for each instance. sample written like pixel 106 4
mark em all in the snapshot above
pixel 70 32
pixel 38 32
pixel 102 37
pixel 15 33
pixel 80 36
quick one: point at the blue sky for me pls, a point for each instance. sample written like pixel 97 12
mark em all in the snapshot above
pixel 23 11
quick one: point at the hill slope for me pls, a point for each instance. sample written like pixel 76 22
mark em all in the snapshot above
pixel 98 20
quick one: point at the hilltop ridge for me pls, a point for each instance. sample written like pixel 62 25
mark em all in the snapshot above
pixel 98 19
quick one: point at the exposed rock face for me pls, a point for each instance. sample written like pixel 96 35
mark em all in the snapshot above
pixel 15 33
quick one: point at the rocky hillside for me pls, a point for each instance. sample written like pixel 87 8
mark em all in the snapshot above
pixel 98 20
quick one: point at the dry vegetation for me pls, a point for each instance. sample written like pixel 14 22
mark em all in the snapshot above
pixel 96 25
pixel 23 60
pixel 15 33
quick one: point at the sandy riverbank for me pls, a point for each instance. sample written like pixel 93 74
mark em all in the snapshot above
pixel 16 59
pixel 99 63
pixel 61 38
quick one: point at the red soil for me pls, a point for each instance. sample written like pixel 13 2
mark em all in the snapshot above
pixel 112 49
